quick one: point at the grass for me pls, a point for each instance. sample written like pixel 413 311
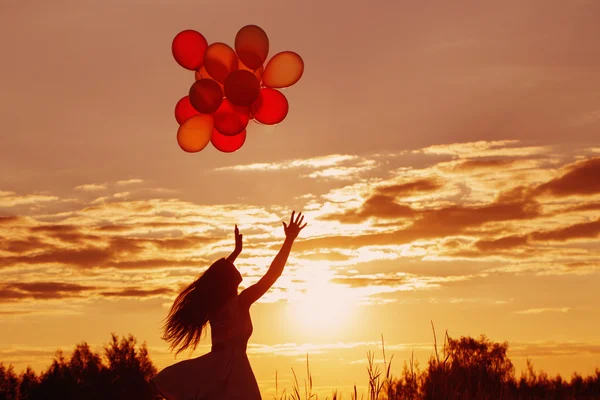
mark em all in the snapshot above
pixel 465 369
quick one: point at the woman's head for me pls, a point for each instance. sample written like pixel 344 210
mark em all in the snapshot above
pixel 196 303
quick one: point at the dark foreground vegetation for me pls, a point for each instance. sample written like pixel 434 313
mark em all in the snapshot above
pixel 465 369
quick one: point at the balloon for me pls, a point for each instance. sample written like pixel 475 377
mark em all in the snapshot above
pixel 271 107
pixel 220 60
pixel 206 96
pixel 202 74
pixel 188 49
pixel 242 88
pixel 258 73
pixel 252 46
pixel 228 144
pixel 195 133
pixel 283 70
pixel 184 110
pixel 231 119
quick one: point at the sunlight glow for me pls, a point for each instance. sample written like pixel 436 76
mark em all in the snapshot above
pixel 322 306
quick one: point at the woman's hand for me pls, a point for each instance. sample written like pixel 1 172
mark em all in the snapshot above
pixel 238 246
pixel 238 240
pixel 293 229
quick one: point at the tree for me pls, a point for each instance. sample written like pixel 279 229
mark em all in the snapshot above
pixel 472 369
pixel 129 370
pixel 28 384
pixel 8 383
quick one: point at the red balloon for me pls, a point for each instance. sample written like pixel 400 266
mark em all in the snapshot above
pixel 188 49
pixel 252 46
pixel 184 110
pixel 228 144
pixel 195 133
pixel 206 96
pixel 230 119
pixel 271 107
pixel 220 60
pixel 283 70
pixel 242 88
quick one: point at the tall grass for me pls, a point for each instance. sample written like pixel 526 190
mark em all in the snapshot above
pixel 464 369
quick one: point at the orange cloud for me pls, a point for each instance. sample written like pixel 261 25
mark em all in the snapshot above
pixel 137 292
pixel 41 290
pixel 582 178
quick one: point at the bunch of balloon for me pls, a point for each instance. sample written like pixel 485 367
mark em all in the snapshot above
pixel 231 88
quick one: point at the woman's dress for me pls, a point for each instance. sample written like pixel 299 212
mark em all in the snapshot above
pixel 222 374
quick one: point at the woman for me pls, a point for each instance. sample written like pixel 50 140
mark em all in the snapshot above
pixel 225 372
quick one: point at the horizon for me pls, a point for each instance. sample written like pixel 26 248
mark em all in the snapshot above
pixel 445 157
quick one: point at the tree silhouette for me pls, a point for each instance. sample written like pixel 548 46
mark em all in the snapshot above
pixel 85 375
pixel 468 369
pixel 129 369
pixel 9 383
pixel 28 384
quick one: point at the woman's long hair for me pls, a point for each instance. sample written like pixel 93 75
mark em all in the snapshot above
pixel 193 307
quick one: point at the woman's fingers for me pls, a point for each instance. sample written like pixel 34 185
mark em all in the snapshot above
pixel 302 227
pixel 292 218
pixel 301 219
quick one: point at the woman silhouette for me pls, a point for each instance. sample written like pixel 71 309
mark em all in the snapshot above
pixel 225 372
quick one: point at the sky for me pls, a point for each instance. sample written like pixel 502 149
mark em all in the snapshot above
pixel 446 156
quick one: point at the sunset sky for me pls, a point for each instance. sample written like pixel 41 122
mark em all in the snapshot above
pixel 446 155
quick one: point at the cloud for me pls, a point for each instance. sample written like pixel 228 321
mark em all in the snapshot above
pixel 498 148
pixel 129 182
pixel 418 186
pixel 6 220
pixel 379 206
pixel 435 223
pixel 41 290
pixel 481 209
pixel 585 230
pixel 81 257
pixel 544 310
pixel 334 166
pixel 312 163
pixel 138 292
pixel 580 178
pixel 505 243
pixel 91 187
pixel 482 165
pixel 552 348
pixel 11 199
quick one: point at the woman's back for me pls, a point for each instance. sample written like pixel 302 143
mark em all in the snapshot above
pixel 231 326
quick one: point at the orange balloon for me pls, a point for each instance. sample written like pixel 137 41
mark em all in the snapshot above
pixel 283 70
pixel 220 60
pixel 258 72
pixel 206 96
pixel 184 110
pixel 252 46
pixel 242 88
pixel 230 119
pixel 188 49
pixel 271 107
pixel 228 144
pixel 195 133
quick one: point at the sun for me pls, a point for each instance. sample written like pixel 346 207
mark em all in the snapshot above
pixel 322 307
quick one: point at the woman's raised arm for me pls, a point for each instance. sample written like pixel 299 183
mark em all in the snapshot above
pixel 256 291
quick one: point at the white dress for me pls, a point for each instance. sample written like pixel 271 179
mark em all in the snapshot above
pixel 222 374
